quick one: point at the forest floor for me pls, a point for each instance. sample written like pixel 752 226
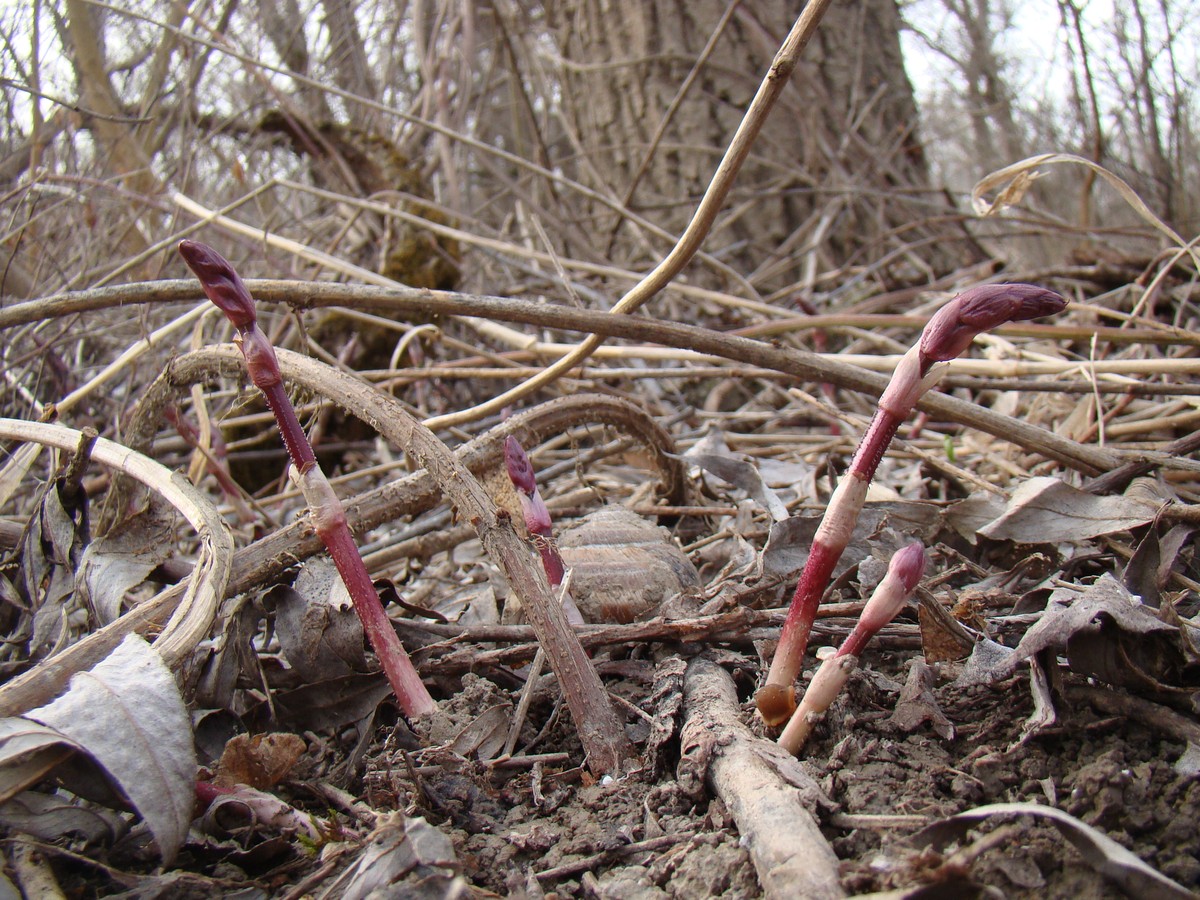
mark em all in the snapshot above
pixel 1024 729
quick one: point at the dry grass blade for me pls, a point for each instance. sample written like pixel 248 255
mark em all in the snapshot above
pixel 17 467
pixel 489 330
pixel 1013 181
pixel 802 364
pixel 193 609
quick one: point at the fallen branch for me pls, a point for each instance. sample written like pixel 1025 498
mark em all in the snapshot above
pixel 790 855
pixel 401 302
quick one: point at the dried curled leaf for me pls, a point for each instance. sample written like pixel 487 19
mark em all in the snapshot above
pixel 1100 851
pixel 319 633
pixel 1011 181
pixel 259 761
pixel 405 858
pixel 127 715
pixel 1046 510
pixel 116 563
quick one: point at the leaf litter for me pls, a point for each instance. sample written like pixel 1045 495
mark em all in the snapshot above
pixel 1043 687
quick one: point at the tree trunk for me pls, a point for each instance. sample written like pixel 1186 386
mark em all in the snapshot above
pixel 843 132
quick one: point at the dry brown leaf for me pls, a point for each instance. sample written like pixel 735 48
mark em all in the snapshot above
pixel 51 818
pixel 1070 612
pixel 319 633
pixel 882 528
pixel 943 638
pixel 918 706
pixel 260 761
pixel 1148 569
pixel 1046 510
pixel 744 475
pixel 116 563
pixel 484 736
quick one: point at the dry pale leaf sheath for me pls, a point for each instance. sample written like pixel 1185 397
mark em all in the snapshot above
pixel 127 715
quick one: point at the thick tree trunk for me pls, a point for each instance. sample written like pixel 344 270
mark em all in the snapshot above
pixel 655 110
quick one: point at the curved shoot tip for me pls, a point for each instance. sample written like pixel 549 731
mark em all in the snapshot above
pixel 905 569
pixel 981 309
pixel 221 282
pixel 520 470
pixel 908 564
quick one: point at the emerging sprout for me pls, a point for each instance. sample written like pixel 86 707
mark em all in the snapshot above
pixel 903 576
pixel 225 288
pixel 538 523
pixel 944 337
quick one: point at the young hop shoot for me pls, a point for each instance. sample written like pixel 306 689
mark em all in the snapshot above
pixel 225 288
pixel 537 522
pixel 944 337
pixel 903 575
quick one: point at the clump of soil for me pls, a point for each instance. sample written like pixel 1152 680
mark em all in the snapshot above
pixel 552 829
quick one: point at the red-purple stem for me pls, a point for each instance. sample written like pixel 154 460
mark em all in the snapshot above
pixel 947 334
pixel 224 287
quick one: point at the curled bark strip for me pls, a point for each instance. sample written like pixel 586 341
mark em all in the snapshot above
pixel 400 302
pixel 191 608
pixel 790 855
pixel 601 732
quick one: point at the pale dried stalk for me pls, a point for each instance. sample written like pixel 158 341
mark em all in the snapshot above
pixel 791 856
pixel 689 242
pixel 193 607
pixel 801 364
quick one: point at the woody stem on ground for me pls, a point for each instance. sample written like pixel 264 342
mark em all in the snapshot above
pixel 903 575
pixel 948 333
pixel 225 289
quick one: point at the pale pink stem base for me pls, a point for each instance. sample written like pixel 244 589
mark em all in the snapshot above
pixel 329 517
pixel 831 677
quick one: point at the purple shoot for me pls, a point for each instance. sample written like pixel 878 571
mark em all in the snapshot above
pixel 537 521
pixel 944 337
pixel 903 575
pixel 224 287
